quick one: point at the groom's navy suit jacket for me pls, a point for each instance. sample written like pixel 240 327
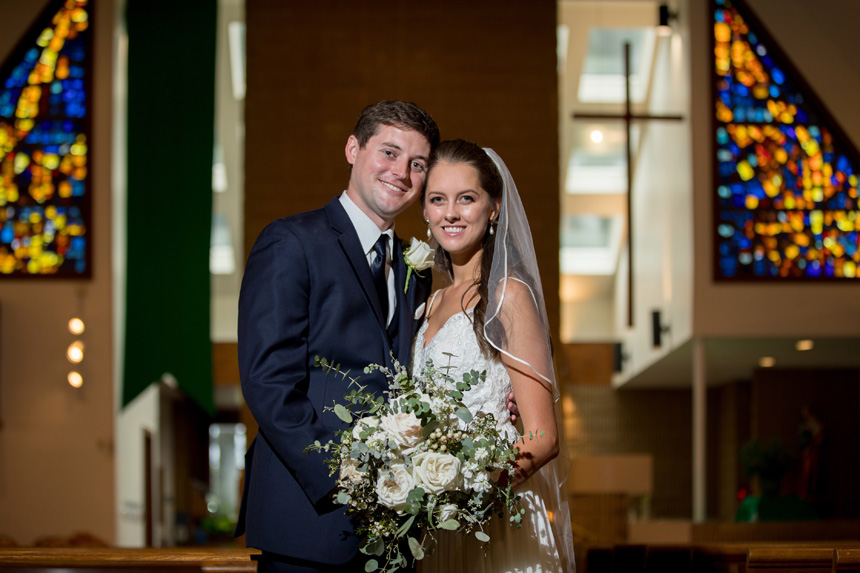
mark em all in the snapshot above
pixel 307 291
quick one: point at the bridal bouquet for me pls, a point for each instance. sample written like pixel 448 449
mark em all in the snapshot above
pixel 417 461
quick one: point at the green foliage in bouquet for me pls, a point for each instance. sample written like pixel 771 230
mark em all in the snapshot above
pixel 416 461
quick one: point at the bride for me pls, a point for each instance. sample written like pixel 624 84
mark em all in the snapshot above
pixel 492 317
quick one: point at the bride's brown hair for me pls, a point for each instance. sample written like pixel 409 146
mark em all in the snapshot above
pixel 461 151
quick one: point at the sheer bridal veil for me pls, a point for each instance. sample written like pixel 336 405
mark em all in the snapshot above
pixel 516 325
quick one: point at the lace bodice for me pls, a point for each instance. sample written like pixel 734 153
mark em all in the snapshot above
pixel 457 337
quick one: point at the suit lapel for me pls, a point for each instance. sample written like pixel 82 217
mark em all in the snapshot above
pixel 348 240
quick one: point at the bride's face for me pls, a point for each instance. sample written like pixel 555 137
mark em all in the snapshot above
pixel 458 209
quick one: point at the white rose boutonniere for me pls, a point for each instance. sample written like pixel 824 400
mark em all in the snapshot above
pixel 418 256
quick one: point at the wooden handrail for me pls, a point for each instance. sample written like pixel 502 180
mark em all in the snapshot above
pixel 202 559
pixel 846 560
pixel 757 557
pixel 819 559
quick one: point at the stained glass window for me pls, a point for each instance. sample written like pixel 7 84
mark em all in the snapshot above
pixel 44 182
pixel 785 175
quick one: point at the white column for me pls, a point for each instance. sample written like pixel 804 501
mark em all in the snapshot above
pixel 700 395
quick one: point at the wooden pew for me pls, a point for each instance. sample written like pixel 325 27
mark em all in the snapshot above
pixel 790 559
pixel 629 558
pixel 598 559
pixel 173 559
pixel 668 559
pixel 724 558
pixel 847 559
pixel 762 557
pixel 632 558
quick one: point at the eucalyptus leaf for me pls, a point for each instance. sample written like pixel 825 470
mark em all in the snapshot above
pixel 464 414
pixel 482 536
pixel 451 524
pixel 373 547
pixel 430 428
pixel 371 565
pixel 405 527
pixel 343 413
pixel 416 549
pixel 396 563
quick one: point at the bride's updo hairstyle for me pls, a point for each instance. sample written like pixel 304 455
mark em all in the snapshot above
pixel 461 151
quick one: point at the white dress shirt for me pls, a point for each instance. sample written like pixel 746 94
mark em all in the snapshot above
pixel 368 234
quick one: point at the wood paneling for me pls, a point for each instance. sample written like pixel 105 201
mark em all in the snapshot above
pixel 485 70
pixel 588 363
pixel 225 364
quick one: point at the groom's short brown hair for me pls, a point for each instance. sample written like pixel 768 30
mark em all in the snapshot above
pixel 397 113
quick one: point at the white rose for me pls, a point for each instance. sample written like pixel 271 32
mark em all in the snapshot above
pixel 419 255
pixel 349 472
pixel 363 424
pixel 436 472
pixel 447 511
pixel 393 486
pixel 404 428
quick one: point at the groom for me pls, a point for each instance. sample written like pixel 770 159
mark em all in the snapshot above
pixel 327 283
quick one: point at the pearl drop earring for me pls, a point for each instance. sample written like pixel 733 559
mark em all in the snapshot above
pixel 492 230
pixel 429 234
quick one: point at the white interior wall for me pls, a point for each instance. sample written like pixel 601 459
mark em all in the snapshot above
pixel 662 214
pixel 230 133
pixel 588 306
pixel 141 415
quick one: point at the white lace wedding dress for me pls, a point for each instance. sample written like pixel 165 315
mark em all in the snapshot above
pixel 529 549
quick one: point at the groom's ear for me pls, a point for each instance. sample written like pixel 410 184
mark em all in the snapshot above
pixel 351 149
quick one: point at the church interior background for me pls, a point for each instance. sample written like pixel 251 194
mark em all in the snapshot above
pixel 704 254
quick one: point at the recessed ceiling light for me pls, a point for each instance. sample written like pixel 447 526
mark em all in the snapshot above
pixel 767 361
pixel 805 344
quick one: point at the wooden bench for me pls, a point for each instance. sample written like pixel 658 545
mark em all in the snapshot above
pixel 639 559
pixel 847 559
pixel 725 558
pixel 227 560
pixel 668 559
pixel 790 558
pixel 762 557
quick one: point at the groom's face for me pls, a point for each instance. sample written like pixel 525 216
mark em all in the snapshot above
pixel 388 172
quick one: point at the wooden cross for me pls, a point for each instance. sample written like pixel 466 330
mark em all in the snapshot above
pixel 628 116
